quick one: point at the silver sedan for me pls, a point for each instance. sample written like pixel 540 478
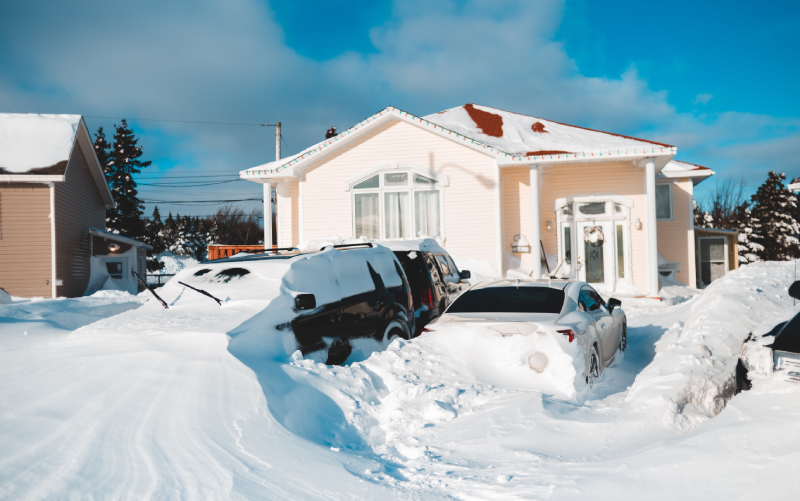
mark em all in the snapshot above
pixel 572 313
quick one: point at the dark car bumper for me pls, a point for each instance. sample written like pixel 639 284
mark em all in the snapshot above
pixel 742 381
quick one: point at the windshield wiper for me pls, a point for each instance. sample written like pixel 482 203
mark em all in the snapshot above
pixel 201 292
pixel 164 304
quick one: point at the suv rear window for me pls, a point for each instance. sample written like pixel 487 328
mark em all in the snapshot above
pixel 509 300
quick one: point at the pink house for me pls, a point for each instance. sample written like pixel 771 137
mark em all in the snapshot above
pixel 499 187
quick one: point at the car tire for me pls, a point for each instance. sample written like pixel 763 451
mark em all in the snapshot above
pixel 593 371
pixel 338 352
pixel 392 332
pixel 623 340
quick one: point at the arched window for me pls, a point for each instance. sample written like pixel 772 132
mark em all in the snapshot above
pixel 397 204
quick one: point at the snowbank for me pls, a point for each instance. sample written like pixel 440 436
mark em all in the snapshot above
pixel 174 264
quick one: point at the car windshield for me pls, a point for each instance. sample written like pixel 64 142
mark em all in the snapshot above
pixel 509 300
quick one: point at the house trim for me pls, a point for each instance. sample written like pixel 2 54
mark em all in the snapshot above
pixel 285 167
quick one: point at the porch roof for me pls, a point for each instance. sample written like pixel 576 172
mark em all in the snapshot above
pixel 567 144
pixel 678 169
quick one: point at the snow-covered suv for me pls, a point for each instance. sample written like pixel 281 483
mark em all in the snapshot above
pixel 342 298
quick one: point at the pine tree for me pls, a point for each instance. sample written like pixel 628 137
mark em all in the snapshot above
pixel 153 236
pixel 742 221
pixel 123 163
pixel 169 233
pixel 775 209
pixel 101 148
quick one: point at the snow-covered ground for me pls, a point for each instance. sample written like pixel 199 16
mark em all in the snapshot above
pixel 113 397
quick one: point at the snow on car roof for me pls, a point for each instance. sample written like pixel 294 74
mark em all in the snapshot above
pixel 528 136
pixel 512 282
pixel 36 143
pixel 418 245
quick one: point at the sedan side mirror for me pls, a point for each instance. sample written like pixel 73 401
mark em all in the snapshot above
pixel 305 302
pixel 614 303
pixel 794 290
pixel 465 274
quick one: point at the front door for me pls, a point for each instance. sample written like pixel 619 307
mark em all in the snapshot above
pixel 596 256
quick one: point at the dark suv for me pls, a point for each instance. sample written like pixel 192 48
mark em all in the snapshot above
pixel 435 282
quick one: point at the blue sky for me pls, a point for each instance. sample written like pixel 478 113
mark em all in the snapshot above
pixel 716 79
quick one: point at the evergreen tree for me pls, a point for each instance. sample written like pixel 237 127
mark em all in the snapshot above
pixel 775 209
pixel 742 221
pixel 169 233
pixel 153 236
pixel 123 164
pixel 101 148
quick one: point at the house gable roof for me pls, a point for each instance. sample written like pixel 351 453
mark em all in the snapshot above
pixel 524 135
pixel 38 148
pixel 613 148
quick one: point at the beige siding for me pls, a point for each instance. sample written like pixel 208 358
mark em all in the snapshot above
pixel 468 203
pixel 595 179
pixel 675 236
pixel 517 209
pixel 78 208
pixel 288 213
pixel 25 252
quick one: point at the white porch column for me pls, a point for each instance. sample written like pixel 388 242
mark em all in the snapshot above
pixel 268 215
pixel 650 227
pixel 536 231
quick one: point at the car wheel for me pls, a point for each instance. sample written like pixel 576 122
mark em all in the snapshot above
pixel 393 332
pixel 593 372
pixel 623 340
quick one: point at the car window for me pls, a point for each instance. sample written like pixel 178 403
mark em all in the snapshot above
pixel 597 297
pixel 436 275
pixel 509 300
pixel 448 268
pixel 588 302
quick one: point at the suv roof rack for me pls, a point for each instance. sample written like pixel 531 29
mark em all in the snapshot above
pixel 347 246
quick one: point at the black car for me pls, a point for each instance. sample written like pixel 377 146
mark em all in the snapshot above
pixel 382 314
pixel 435 282
pixel 775 352
pixel 323 326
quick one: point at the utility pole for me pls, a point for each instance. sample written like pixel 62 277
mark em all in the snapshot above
pixel 270 219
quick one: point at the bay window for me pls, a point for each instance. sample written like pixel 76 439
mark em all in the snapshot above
pixel 396 205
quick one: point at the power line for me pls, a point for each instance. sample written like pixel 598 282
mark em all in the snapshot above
pixel 188 184
pixel 200 201
pixel 179 121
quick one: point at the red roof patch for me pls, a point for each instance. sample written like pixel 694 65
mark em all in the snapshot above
pixel 539 127
pixel 545 152
pixel 489 123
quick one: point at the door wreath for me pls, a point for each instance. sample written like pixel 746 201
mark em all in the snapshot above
pixel 593 235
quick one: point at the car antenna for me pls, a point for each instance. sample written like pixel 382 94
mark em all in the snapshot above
pixel 518 283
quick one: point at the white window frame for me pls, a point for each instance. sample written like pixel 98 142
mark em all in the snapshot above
pixel 397 168
pixel 671 202
pixel 700 257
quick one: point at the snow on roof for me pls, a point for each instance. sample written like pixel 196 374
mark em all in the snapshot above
pixel 420 244
pixel 498 133
pixel 676 168
pixel 31 143
pixel 529 136
pixel 119 238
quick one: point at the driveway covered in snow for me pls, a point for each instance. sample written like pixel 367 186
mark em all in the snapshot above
pixel 111 398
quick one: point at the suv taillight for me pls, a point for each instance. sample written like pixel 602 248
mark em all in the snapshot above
pixel 569 333
pixel 426 297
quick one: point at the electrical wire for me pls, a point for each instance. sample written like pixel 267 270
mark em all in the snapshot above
pixel 189 184
pixel 179 121
pixel 201 201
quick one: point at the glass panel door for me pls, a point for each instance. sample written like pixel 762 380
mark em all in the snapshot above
pixel 596 248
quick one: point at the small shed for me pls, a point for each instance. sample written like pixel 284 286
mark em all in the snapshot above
pixel 717 253
pixel 116 257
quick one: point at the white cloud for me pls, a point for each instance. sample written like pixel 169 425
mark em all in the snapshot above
pixel 227 61
pixel 702 98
